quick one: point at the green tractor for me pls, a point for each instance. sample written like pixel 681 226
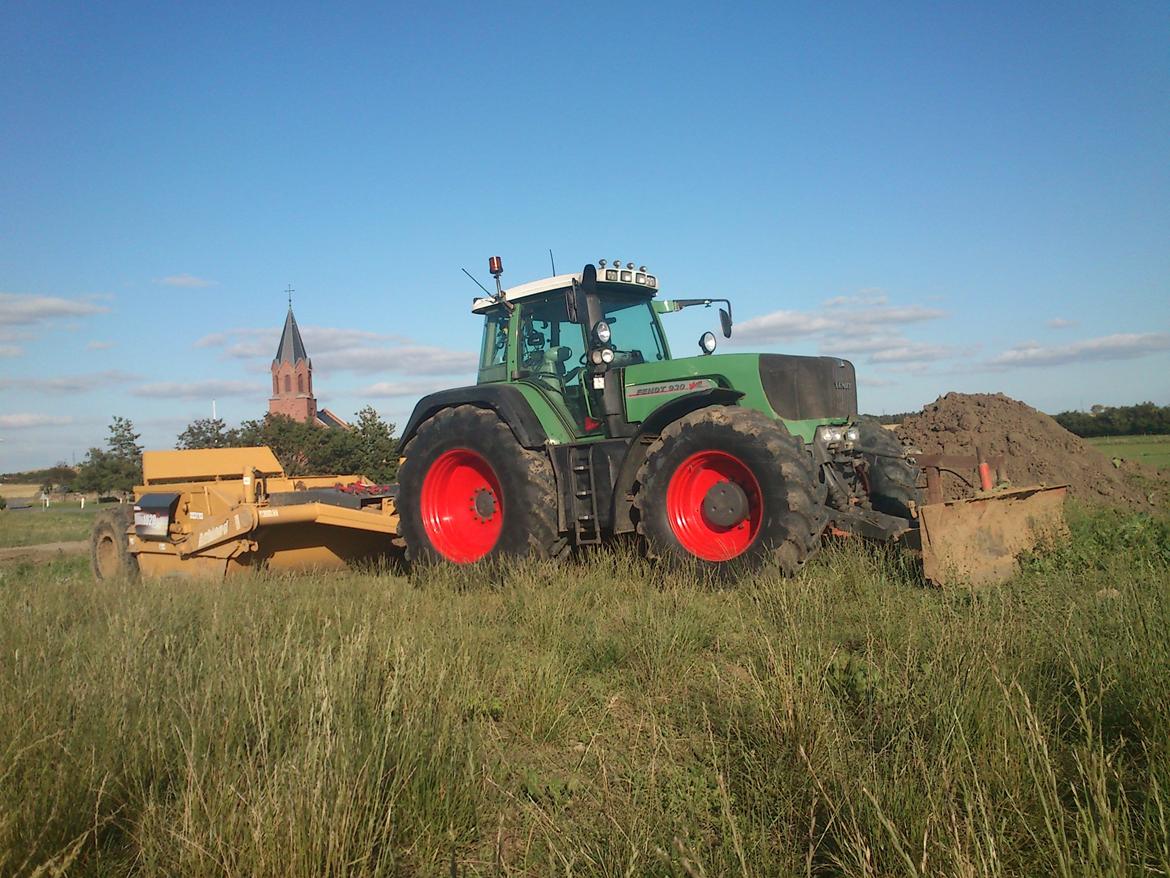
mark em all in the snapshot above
pixel 583 427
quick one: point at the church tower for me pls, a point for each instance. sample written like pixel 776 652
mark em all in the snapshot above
pixel 292 376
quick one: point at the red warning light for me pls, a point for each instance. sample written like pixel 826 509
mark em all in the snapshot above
pixel 496 266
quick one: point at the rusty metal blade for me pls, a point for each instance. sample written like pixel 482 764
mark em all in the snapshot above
pixel 977 541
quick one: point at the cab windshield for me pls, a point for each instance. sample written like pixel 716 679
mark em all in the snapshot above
pixel 637 336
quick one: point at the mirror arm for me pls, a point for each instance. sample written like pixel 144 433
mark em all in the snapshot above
pixel 687 303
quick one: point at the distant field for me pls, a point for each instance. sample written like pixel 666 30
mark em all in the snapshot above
pixel 1150 450
pixel 30 527
pixel 20 491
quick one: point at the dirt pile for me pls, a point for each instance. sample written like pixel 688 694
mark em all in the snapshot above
pixel 1038 450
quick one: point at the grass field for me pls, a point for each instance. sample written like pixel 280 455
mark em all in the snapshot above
pixel 61 523
pixel 594 719
pixel 1151 450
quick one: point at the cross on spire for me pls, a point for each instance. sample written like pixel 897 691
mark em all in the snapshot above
pixel 290 291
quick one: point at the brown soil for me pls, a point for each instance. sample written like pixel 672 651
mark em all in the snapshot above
pixel 1038 450
pixel 44 551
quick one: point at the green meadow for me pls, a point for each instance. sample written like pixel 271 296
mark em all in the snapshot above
pixel 602 717
pixel 1151 450
pixel 35 526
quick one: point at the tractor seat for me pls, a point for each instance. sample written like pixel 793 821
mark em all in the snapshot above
pixel 551 370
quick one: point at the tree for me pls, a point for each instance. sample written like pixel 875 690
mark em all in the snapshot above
pixel 1145 418
pixel 302 449
pixel 122 440
pixel 378 449
pixel 60 474
pixel 118 466
pixel 205 433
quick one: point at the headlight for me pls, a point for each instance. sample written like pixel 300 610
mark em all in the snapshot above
pixel 601 332
pixel 606 355
pixel 595 358
pixel 829 435
pixel 610 274
pixel 852 434
pixel 707 342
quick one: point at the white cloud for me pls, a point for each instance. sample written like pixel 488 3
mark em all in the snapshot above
pixel 343 349
pixel 208 389
pixel 392 389
pixel 843 347
pixel 1060 323
pixel 8 351
pixel 96 345
pixel 914 352
pixel 184 280
pixel 248 343
pixel 29 420
pixel 865 316
pixel 1120 346
pixel 413 359
pixel 864 297
pixel 69 383
pixel 876 381
pixel 885 315
pixel 21 309
pixel 782 326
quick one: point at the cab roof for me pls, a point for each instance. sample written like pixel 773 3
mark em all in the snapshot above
pixel 523 291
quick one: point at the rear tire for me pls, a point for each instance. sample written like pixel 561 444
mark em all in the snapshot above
pixel 468 491
pixel 893 480
pixel 109 546
pixel 727 451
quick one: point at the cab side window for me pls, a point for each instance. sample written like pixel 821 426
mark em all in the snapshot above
pixel 495 340
pixel 549 342
pixel 493 355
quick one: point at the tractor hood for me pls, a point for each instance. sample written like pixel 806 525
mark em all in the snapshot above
pixel 797 389
pixel 803 388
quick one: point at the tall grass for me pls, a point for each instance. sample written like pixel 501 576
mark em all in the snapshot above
pixel 600 718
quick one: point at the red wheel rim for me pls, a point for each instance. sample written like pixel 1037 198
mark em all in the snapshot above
pixel 688 488
pixel 461 505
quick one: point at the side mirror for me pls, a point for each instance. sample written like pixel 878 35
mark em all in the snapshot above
pixel 725 322
pixel 572 307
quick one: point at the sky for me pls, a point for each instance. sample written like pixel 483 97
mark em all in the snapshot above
pixel 970 197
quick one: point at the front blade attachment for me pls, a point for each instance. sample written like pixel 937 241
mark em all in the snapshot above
pixel 977 541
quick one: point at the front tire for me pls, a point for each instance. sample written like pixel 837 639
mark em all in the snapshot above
pixel 468 491
pixel 109 546
pixel 729 487
pixel 892 479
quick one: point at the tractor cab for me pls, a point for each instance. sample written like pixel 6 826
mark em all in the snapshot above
pixel 571 337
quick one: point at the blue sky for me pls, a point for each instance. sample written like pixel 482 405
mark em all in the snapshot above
pixel 969 198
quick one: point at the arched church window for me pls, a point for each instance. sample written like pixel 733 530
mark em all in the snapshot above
pixel 288 384
pixel 300 384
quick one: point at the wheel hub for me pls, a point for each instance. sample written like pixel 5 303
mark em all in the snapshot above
pixel 484 504
pixel 714 505
pixel 725 504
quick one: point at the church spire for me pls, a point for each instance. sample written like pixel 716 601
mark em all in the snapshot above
pixel 291 348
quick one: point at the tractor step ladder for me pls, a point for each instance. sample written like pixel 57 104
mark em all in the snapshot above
pixel 585 527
